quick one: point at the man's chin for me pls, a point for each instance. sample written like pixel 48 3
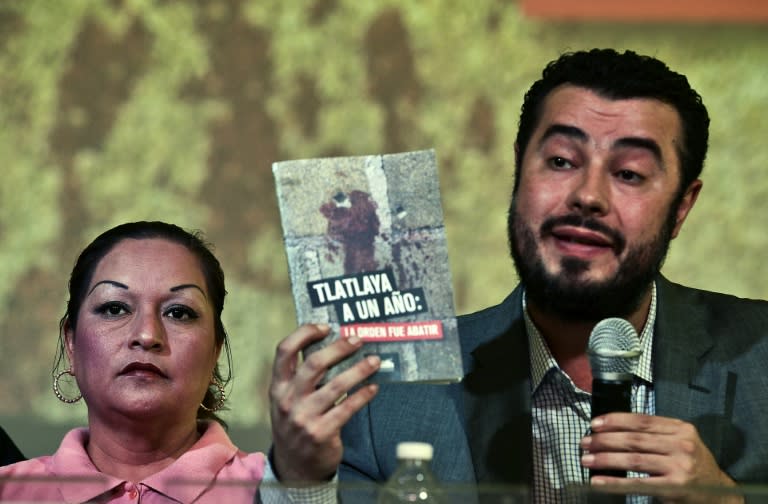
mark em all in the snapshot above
pixel 583 297
pixel 582 304
pixel 581 274
pixel 578 291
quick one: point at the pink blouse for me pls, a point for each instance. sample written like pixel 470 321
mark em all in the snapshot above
pixel 212 470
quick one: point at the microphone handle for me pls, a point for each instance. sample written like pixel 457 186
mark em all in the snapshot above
pixel 610 396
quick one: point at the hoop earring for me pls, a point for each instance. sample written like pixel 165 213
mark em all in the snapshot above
pixel 57 390
pixel 221 399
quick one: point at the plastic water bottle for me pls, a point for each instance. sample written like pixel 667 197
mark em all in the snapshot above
pixel 413 480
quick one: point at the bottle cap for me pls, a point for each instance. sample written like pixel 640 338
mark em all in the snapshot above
pixel 414 450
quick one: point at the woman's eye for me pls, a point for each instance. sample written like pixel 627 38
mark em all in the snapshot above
pixel 181 313
pixel 112 309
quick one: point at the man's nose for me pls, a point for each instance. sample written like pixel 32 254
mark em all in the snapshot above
pixel 591 193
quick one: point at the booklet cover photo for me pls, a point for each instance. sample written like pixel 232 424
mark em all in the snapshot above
pixel 367 254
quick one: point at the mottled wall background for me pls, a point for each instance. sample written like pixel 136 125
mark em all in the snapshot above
pixel 137 109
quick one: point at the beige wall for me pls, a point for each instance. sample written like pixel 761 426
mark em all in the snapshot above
pixel 175 110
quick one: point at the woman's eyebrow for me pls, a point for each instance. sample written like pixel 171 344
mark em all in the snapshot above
pixel 110 282
pixel 188 286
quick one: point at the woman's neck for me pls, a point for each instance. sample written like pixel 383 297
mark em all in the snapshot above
pixel 134 451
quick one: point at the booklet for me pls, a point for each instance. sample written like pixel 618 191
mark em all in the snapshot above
pixel 367 255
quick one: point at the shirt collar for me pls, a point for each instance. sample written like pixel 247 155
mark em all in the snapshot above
pixel 542 360
pixel 184 480
pixel 72 463
pixel 196 469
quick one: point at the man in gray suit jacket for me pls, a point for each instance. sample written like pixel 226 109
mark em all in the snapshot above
pixel 608 156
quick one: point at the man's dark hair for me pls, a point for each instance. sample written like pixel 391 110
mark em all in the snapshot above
pixel 618 76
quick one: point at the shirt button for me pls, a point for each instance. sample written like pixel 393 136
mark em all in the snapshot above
pixel 131 490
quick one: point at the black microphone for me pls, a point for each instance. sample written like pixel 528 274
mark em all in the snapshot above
pixel 613 349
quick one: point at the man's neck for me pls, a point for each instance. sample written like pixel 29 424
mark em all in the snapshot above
pixel 567 339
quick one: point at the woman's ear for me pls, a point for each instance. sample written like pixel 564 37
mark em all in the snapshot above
pixel 68 333
pixel 218 352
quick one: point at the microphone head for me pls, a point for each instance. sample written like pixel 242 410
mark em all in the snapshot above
pixel 613 349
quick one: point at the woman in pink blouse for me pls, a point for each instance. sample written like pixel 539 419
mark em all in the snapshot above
pixel 142 336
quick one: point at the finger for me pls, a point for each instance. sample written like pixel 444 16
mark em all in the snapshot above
pixel 314 367
pixel 335 418
pixel 650 463
pixel 288 350
pixel 331 421
pixel 637 423
pixel 650 487
pixel 638 442
pixel 324 410
pixel 326 397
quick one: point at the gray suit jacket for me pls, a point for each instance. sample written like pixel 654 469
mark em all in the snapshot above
pixel 710 361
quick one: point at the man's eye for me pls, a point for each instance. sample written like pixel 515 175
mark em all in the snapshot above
pixel 560 163
pixel 181 313
pixel 629 176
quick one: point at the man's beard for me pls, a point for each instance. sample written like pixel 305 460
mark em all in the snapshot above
pixel 569 297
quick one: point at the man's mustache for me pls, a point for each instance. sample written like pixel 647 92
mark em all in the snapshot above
pixel 575 220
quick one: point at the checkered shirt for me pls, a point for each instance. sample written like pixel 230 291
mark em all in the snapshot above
pixel 562 413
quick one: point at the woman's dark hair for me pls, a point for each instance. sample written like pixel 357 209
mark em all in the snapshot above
pixel 619 76
pixel 91 256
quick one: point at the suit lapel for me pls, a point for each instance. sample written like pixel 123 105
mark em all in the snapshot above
pixel 687 385
pixel 497 394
